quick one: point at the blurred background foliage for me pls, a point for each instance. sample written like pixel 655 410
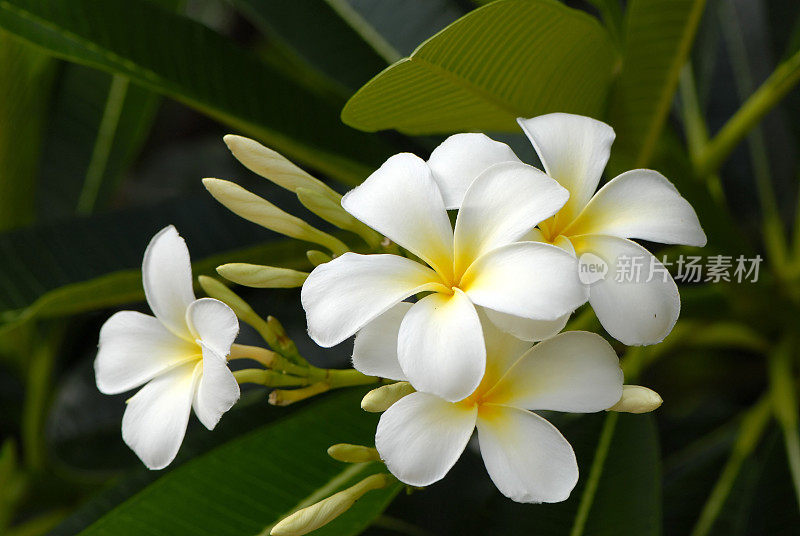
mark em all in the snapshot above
pixel 111 112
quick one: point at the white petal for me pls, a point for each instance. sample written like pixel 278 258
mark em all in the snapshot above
pixel 214 323
pixel 441 347
pixel 500 206
pixel 459 159
pixel 502 350
pixel 574 151
pixel 402 201
pixel 217 389
pixel 375 347
pixel 640 204
pixel 634 311
pixel 527 279
pixel 342 295
pixel 525 328
pixel 576 371
pixel 420 437
pixel 167 279
pixel 133 349
pixel 526 456
pixel 156 417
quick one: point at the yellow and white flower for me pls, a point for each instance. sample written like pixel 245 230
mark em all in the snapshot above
pixel 479 262
pixel 421 436
pixel 640 204
pixel 179 355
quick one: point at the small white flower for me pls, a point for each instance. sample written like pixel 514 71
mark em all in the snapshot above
pixel 421 436
pixel 640 204
pixel 179 355
pixel 479 262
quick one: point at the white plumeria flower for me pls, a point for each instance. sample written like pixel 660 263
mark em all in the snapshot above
pixel 421 436
pixel 479 262
pixel 179 355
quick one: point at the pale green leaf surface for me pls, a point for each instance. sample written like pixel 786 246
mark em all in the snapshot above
pixel 489 67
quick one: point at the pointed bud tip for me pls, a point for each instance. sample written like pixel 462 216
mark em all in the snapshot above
pixel 637 399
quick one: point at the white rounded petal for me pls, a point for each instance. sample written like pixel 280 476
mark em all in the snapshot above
pixel 375 347
pixel 156 417
pixel 502 350
pixel 632 306
pixel 574 151
pixel 525 328
pixel 527 457
pixel 214 323
pixel 343 295
pixel 527 279
pixel 402 201
pixel 502 204
pixel 167 279
pixel 640 204
pixel 575 371
pixel 441 348
pixel 133 349
pixel 217 389
pixel 420 437
pixel 459 159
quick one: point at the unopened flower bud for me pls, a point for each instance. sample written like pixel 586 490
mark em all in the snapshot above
pixel 331 211
pixel 258 276
pixel 345 452
pixel 275 167
pixel 382 398
pixel 317 257
pixel 260 211
pixel 637 399
pixel 320 514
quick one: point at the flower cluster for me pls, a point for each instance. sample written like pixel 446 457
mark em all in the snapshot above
pixel 463 321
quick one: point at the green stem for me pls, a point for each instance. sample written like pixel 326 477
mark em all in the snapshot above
pixel 784 400
pixel 779 83
pixel 750 432
pixel 595 473
pixel 269 378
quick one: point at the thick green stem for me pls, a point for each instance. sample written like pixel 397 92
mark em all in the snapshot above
pixel 766 97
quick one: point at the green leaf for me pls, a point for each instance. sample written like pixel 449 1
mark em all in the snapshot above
pixel 57 270
pixel 97 126
pixel 25 79
pixel 332 48
pixel 499 62
pixel 657 40
pixel 194 65
pixel 247 485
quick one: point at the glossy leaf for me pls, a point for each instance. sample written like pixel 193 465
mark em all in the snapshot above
pixel 657 39
pixel 188 62
pixel 26 75
pixel 491 66
pixel 247 485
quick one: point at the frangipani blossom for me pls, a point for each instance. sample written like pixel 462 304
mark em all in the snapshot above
pixel 480 262
pixel 639 204
pixel 421 436
pixel 179 355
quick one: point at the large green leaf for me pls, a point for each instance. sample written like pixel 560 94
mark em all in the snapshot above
pixel 187 61
pixel 97 126
pixel 56 270
pixel 508 59
pixel 247 485
pixel 658 38
pixel 25 79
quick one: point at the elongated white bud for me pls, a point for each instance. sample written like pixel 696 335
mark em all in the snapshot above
pixel 275 167
pixel 258 210
pixel 258 276
pixel 382 398
pixel 319 514
pixel 637 399
pixel 345 452
pixel 332 212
